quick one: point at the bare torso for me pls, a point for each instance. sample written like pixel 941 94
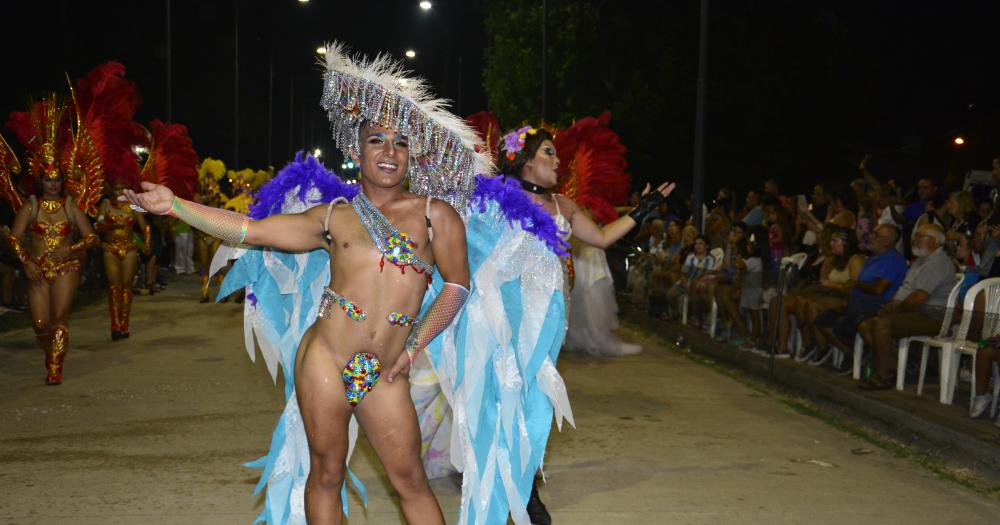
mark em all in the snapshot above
pixel 377 287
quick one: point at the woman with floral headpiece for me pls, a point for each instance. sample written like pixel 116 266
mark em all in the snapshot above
pixel 496 364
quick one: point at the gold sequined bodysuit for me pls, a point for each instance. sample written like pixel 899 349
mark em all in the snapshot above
pixel 118 239
pixel 54 235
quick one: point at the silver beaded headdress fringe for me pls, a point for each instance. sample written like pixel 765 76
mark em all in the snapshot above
pixel 446 154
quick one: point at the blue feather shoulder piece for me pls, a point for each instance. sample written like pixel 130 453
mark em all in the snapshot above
pixel 516 207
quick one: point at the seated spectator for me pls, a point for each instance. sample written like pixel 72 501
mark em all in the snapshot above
pixel 697 264
pixel 845 264
pixel 986 243
pixel 663 274
pixel 876 284
pixel 917 307
pixel 986 357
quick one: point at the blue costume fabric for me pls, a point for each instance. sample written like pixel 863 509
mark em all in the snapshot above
pixel 496 363
pixel 283 295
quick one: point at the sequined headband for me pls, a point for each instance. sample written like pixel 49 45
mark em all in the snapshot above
pixel 513 142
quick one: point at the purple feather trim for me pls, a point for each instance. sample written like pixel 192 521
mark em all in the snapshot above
pixel 305 172
pixel 517 207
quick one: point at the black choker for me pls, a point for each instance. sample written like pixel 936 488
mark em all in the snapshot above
pixel 532 187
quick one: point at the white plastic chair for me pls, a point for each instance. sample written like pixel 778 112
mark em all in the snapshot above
pixel 928 342
pixel 953 349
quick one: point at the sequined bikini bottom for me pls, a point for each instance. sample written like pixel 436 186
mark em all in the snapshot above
pixel 360 374
pixel 332 299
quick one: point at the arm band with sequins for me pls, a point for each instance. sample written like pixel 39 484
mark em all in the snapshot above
pixel 19 250
pixel 440 314
pixel 88 241
pixel 224 224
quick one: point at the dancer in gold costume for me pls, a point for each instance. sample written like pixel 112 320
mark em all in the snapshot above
pixel 116 221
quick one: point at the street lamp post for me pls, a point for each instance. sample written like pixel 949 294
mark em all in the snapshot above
pixel 697 195
pixel 236 86
pixel 170 109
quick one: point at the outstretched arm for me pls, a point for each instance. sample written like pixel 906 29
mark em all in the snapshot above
pixel 450 256
pixel 589 232
pixel 292 232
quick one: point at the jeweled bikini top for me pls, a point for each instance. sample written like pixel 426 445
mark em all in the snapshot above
pixel 396 246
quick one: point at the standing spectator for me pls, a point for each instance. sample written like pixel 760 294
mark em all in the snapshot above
pixel 752 213
pixel 864 223
pixel 757 266
pixel 926 188
pixel 963 220
pixel 771 188
pixel 183 248
pixel 724 287
pixel 781 230
pixel 916 308
pixel 983 211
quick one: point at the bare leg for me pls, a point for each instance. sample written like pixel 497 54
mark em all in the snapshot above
pixel 38 308
pixel 325 415
pixel 390 423
pixel 784 320
pixel 61 296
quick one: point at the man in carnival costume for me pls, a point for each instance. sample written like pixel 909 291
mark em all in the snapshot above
pixel 350 266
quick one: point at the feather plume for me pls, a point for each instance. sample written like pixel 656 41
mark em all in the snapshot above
pixel 592 166
pixel 172 160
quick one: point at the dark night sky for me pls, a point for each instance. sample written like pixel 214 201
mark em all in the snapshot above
pixel 905 73
pixel 80 35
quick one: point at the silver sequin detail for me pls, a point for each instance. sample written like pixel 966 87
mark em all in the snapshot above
pixel 380 229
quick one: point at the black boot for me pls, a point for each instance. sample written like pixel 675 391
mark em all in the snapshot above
pixel 537 512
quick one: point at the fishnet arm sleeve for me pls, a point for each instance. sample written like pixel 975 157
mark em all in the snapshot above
pixel 224 224
pixel 441 313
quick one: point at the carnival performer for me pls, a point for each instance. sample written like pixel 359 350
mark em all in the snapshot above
pixel 209 194
pixel 592 174
pixel 116 222
pixel 496 364
pixel 382 247
pixel 51 260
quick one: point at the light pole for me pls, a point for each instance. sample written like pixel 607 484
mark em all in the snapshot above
pixel 236 86
pixel 170 109
pixel 697 195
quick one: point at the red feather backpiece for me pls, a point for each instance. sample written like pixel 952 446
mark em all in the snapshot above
pixel 592 166
pixel 488 128
pixel 172 160
pixel 105 102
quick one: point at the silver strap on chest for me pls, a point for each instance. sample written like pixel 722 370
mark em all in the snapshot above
pixel 380 229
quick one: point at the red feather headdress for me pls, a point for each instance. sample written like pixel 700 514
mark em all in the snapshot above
pixel 592 166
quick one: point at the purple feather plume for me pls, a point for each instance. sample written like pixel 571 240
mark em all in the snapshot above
pixel 305 172
pixel 517 207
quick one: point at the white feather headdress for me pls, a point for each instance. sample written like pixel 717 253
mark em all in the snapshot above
pixel 446 154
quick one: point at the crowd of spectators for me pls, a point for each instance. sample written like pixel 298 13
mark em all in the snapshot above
pixel 869 258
